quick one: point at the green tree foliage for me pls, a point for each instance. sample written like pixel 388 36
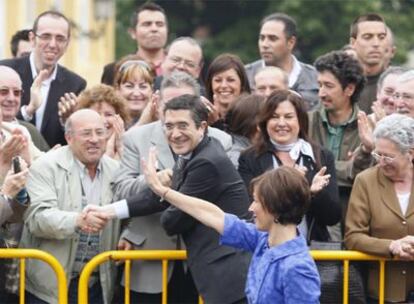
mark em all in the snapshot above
pixel 323 25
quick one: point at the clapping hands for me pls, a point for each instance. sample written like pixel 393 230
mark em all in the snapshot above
pixel 66 106
pixel 17 144
pixel 320 181
pixel 14 182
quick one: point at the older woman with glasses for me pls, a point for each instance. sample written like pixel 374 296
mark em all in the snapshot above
pixel 380 218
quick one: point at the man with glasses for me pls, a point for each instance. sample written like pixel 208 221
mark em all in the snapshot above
pixel 61 183
pixel 203 170
pixel 10 95
pixel 183 54
pixel 50 38
pixel 145 232
pixel 404 94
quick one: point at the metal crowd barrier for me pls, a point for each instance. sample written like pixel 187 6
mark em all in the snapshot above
pixel 24 254
pixel 346 256
pixel 166 255
pixel 163 255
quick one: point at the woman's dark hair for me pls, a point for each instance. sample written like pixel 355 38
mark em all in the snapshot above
pixel 242 115
pixel 283 192
pixel 267 111
pixel 223 63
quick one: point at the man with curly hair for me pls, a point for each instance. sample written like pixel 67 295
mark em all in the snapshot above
pixel 335 124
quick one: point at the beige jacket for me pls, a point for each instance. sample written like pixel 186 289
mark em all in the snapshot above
pixel 373 220
pixel 55 190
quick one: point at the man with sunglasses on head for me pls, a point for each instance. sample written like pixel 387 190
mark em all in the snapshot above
pixel 50 38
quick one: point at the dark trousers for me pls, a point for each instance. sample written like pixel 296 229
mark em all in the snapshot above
pixel 94 294
pixel 181 290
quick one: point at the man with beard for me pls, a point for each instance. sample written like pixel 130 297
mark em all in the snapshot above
pixel 149 28
pixel 335 124
pixel 368 37
pixel 277 40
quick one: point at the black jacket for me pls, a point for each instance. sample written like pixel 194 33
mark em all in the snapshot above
pixel 324 210
pixel 66 81
pixel 211 176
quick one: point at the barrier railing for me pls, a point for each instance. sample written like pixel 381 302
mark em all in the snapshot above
pixel 163 255
pixel 24 254
pixel 166 255
pixel 346 256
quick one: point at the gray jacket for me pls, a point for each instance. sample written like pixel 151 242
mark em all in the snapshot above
pixel 146 232
pixel 306 84
pixel 54 186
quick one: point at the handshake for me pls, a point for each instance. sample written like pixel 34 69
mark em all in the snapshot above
pixel 93 218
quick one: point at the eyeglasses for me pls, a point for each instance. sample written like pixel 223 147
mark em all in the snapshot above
pixel 403 96
pixel 386 159
pixel 178 60
pixel 88 133
pixel 181 126
pixel 48 37
pixel 130 63
pixel 389 92
pixel 5 91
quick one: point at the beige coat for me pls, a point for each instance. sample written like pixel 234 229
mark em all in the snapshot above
pixel 55 189
pixel 374 218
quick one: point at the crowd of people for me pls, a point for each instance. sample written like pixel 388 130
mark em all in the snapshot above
pixel 245 169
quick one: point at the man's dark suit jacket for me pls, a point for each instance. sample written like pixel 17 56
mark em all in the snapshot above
pixel 66 81
pixel 219 272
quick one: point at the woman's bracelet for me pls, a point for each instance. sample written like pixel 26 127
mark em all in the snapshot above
pixel 165 193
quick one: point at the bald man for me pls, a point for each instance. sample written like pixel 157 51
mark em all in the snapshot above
pixel 10 100
pixel 60 184
pixel 269 79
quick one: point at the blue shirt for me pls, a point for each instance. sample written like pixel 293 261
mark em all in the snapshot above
pixel 280 274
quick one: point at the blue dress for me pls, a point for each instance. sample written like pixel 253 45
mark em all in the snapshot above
pixel 281 274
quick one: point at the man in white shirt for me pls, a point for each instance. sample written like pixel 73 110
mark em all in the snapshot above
pixel 277 40
pixel 50 38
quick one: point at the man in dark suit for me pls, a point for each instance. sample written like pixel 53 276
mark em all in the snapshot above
pixel 209 175
pixel 203 170
pixel 50 38
pixel 146 232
